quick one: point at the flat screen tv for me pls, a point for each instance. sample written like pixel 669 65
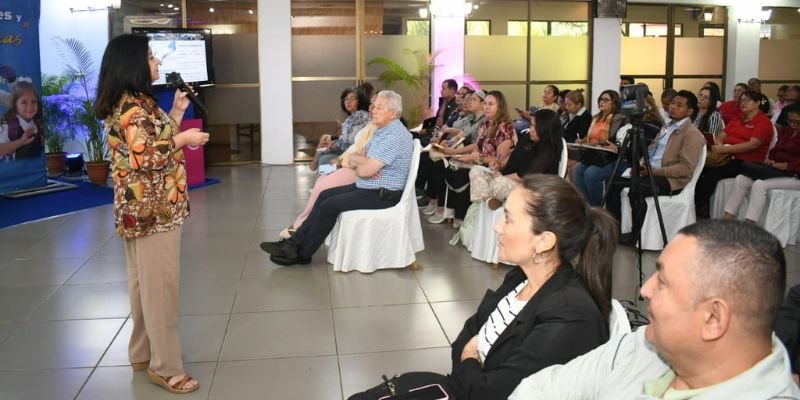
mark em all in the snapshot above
pixel 187 51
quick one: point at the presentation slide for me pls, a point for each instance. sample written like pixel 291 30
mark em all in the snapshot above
pixel 180 52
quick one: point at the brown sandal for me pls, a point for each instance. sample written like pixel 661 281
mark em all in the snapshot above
pixel 178 387
pixel 140 366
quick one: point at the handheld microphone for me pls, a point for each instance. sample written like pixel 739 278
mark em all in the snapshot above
pixel 174 79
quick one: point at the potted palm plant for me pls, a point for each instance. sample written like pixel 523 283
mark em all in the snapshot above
pixel 80 66
pixel 57 117
pixel 97 165
pixel 418 82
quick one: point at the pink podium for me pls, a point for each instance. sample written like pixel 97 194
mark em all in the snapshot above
pixel 195 160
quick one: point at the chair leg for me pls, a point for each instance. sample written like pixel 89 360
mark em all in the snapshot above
pixel 414 265
pixel 495 266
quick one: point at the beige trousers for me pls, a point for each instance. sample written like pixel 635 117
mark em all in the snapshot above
pixel 154 288
pixel 484 185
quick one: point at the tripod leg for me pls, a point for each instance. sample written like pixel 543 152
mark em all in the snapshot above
pixel 655 198
pixel 620 151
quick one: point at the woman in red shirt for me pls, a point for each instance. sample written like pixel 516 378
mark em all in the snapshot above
pixel 745 139
pixel 730 109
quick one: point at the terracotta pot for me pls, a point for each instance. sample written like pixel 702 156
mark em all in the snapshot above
pixel 56 162
pixel 98 171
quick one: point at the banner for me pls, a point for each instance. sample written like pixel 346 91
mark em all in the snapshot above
pixel 22 138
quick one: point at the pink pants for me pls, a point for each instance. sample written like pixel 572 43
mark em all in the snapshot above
pixel 342 177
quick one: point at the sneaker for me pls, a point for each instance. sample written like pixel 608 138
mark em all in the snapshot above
pixel 429 210
pixel 437 218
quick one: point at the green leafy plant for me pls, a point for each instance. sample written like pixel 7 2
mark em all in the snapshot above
pixel 418 83
pixel 95 138
pixel 57 111
pixel 80 68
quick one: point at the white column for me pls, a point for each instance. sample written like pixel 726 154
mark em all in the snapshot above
pixel 275 77
pixel 447 39
pixel 606 57
pixel 743 44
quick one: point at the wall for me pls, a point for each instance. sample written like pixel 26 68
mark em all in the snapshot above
pixel 90 27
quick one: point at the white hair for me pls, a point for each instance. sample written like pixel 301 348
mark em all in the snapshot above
pixel 394 102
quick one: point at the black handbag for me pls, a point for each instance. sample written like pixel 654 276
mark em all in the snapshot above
pixel 408 386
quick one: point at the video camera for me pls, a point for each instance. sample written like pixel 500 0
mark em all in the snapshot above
pixel 633 99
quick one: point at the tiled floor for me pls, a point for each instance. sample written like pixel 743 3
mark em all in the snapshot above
pixel 249 328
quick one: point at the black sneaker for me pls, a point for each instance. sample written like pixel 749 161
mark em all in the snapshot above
pixel 286 261
pixel 273 247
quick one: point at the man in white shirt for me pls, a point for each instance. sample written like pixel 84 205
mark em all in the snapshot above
pixel 713 302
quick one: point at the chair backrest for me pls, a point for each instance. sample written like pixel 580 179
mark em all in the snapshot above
pixel 412 173
pixel 618 323
pixel 562 164
pixel 773 142
pixel 698 169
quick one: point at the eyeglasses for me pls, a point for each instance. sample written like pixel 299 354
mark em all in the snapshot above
pixel 794 121
pixel 603 99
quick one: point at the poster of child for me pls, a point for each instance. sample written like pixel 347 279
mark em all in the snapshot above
pixel 21 133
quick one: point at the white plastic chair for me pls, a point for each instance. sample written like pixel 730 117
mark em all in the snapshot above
pixel 562 164
pixel 678 211
pixel 618 322
pixel 368 240
pixel 483 245
pixel 720 198
pixel 781 216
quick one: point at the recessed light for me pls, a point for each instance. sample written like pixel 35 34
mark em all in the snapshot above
pixel 211 9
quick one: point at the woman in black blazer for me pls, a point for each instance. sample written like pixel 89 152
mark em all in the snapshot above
pixel 546 312
pixel 579 118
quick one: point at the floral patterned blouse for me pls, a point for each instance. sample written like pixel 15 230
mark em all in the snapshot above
pixel 488 147
pixel 149 174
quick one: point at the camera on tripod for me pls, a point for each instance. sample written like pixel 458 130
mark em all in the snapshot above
pixel 634 100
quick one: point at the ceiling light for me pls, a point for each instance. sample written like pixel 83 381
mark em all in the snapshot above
pixel 250 11
pixel 765 14
pixel 423 13
pixel 708 16
pixel 211 9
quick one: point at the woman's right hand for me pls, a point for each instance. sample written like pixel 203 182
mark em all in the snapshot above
pixel 194 137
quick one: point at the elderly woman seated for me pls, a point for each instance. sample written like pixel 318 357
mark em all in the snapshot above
pixel 354 103
pixel 547 311
pixel 537 152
